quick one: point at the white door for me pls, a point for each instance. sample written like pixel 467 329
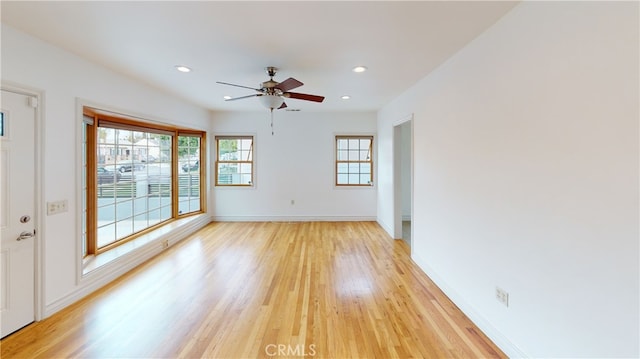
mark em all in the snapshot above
pixel 17 211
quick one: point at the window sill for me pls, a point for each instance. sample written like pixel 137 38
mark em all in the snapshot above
pixel 347 187
pixel 91 263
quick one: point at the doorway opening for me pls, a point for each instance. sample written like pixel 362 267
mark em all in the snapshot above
pixel 403 180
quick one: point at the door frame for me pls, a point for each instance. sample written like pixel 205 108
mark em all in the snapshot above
pixel 39 222
pixel 397 178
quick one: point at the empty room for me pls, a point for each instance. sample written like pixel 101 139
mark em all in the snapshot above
pixel 328 179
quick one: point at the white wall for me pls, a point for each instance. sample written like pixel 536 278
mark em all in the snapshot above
pixel 64 78
pixel 296 163
pixel 526 178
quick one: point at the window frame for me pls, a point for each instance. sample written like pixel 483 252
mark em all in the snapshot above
pixel 93 119
pixel 238 162
pixel 337 162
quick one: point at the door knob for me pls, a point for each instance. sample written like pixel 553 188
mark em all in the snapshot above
pixel 25 235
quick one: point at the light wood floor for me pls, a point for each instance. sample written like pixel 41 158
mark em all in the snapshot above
pixel 246 290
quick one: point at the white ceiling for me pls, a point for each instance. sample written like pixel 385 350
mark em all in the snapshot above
pixel 317 43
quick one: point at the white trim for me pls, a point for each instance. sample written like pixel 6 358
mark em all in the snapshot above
pixel 293 219
pixel 78 177
pixel 39 191
pixel 481 322
pixel 403 119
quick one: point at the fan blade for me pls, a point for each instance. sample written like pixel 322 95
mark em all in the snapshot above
pixel 246 87
pixel 241 97
pixel 284 105
pixel 289 84
pixel 303 96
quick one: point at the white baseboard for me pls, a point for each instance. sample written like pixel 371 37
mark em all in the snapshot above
pixel 123 264
pixel 494 334
pixel 293 219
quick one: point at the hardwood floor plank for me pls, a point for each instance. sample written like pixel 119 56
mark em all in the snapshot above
pixel 259 290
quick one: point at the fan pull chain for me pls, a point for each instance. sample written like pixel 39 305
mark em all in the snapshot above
pixel 271 122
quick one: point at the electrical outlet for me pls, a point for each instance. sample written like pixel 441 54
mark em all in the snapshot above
pixel 502 296
pixel 165 244
pixel 57 207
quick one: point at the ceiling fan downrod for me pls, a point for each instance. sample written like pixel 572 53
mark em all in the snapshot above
pixel 272 132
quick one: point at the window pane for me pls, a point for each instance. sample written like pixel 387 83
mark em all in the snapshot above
pixel 124 210
pixel 194 204
pixel 343 155
pixel 106 235
pixel 124 228
pixel 140 222
pixel 245 179
pixel 183 206
pixel 106 214
pixel 343 178
pixel 354 178
pixel 154 217
pixel 140 205
pixel 165 213
pixel 343 168
pixel 353 155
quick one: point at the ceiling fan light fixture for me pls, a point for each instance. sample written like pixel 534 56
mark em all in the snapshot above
pixel 345 97
pixel 271 101
pixel 359 69
pixel 226 97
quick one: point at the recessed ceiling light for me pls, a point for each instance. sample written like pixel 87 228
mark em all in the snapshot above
pixel 345 97
pixel 182 68
pixel 359 69
pixel 227 97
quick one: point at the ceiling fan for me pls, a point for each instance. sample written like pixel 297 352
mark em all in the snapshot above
pixel 272 93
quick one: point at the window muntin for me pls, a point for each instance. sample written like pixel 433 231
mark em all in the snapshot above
pixel 131 179
pixel 234 163
pixel 354 161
